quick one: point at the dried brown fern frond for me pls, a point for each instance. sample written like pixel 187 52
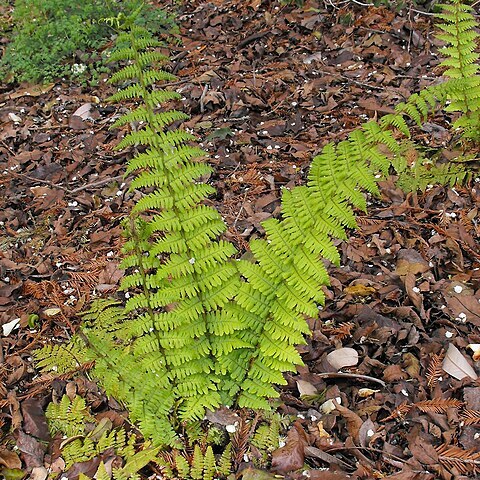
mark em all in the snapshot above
pixel 399 412
pixel 470 417
pixel 363 220
pixel 342 331
pixel 89 279
pixel 438 405
pixel 42 290
pixel 463 461
pixel 241 439
pixel 434 369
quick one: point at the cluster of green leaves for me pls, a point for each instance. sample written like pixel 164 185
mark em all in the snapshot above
pixel 52 38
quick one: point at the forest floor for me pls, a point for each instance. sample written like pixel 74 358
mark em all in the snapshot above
pixel 266 86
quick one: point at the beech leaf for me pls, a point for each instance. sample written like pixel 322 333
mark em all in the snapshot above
pixel 456 365
pixel 306 388
pixel 343 357
pixel 292 455
pixel 84 112
pixel 9 459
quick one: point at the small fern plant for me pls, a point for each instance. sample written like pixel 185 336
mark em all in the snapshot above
pixel 200 465
pixel 86 439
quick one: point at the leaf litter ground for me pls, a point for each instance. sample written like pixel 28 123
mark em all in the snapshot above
pixel 266 86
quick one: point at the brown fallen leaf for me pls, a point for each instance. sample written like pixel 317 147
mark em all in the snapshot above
pixel 32 450
pixel 26 90
pixel 410 261
pixel 325 475
pixel 38 473
pixel 423 451
pixel 456 365
pixel 306 388
pixel 343 357
pixel 9 459
pixel 254 474
pixel 366 432
pixel 411 364
pixel 84 111
pixel 359 290
pixel 34 421
pixel 354 422
pixel 393 373
pixel 292 455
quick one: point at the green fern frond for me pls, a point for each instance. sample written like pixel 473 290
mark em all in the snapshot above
pixel 164 353
pixel 68 416
pixel 198 462
pixel 461 62
pixel 183 467
pixel 225 462
pixel 60 358
pixel 144 115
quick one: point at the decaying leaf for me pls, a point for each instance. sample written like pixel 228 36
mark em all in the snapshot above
pixel 329 406
pixel 254 474
pixel 456 365
pixel 366 432
pixel 343 357
pixel 411 364
pixel 84 111
pixel 359 290
pixel 410 261
pixel 9 459
pixel 306 388
pixel 354 422
pixel 10 326
pixel 34 421
pixel 366 392
pixel 292 455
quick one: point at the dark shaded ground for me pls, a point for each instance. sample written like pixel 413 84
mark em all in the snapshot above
pixel 266 87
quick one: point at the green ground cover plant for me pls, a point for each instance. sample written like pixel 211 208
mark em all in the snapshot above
pixel 202 328
pixel 58 38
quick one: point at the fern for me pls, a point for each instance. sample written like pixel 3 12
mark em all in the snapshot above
pixel 72 418
pixel 68 416
pixel 160 351
pixel 60 358
pixel 203 465
pixel 458 31
pixel 267 436
pixel 200 330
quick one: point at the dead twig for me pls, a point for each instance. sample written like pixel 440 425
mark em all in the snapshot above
pixel 366 378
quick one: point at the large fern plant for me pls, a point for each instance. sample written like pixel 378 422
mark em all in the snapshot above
pixel 160 353
pixel 201 329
